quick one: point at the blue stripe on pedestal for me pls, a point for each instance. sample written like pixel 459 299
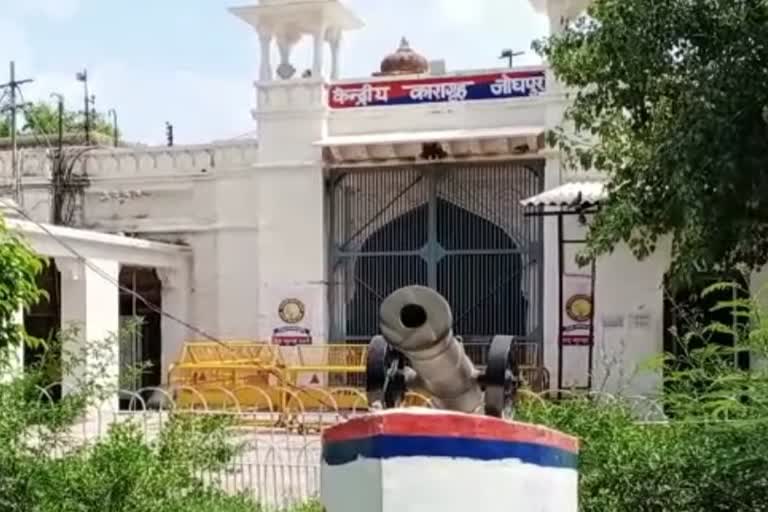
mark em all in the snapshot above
pixel 387 446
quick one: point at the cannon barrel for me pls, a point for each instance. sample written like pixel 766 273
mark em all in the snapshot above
pixel 418 322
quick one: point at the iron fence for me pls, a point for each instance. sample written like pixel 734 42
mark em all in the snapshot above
pixel 278 463
pixel 457 228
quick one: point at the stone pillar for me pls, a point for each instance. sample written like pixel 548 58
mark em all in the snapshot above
pixel 176 302
pixel 318 39
pixel 555 12
pixel 90 317
pixel 290 244
pixel 265 73
pixel 285 44
pixel 428 460
pixel 334 40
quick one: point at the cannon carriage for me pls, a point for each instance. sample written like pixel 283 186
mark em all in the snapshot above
pixel 417 350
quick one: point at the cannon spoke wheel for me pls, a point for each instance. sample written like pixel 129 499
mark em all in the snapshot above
pixel 501 376
pixel 384 379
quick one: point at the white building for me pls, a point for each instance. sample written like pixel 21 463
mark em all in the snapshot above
pixel 355 188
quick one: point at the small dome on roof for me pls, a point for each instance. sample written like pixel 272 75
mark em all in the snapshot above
pixel 404 61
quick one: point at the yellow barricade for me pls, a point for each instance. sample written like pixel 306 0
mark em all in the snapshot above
pixel 260 376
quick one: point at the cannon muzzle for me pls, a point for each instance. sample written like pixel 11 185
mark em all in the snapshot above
pixel 418 349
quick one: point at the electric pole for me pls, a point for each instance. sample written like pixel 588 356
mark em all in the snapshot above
pixel 58 165
pixel 13 86
pixel 60 103
pixel 82 76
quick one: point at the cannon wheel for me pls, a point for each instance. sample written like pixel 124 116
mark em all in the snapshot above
pixel 501 376
pixel 384 379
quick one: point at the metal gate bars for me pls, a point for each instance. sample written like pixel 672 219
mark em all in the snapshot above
pixel 458 228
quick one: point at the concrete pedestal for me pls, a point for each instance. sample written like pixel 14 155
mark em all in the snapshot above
pixel 425 460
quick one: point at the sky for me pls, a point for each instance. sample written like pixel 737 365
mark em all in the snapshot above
pixel 192 63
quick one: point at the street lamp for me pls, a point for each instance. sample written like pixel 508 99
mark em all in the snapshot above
pixel 82 76
pixel 510 55
pixel 113 113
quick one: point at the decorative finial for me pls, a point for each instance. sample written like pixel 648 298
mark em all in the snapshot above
pixel 404 44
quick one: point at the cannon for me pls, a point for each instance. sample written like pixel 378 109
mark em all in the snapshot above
pixel 417 349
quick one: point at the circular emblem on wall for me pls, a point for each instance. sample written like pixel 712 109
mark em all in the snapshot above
pixel 291 311
pixel 579 308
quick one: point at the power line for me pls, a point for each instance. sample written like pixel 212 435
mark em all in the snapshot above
pixel 103 274
pixel 12 86
pixel 152 307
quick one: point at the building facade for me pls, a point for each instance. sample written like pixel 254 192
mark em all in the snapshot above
pixel 415 175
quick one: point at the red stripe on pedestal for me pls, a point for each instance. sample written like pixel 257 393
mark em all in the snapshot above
pixel 466 426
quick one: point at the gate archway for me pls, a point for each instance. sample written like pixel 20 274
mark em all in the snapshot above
pixel 457 228
pixel 468 281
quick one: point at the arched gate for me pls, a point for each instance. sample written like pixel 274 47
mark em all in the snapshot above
pixel 458 228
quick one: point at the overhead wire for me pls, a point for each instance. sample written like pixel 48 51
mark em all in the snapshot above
pixel 133 293
pixel 149 305
pixel 5 95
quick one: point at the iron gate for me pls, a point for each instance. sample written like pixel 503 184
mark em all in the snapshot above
pixel 459 229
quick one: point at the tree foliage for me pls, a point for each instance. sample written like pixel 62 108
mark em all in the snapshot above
pixel 19 269
pixel 45 463
pixel 669 100
pixel 685 465
pixel 707 452
pixel 42 118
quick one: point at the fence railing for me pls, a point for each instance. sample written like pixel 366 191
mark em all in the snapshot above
pixel 278 463
pixel 257 374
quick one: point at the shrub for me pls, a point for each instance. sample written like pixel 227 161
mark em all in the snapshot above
pixel 681 465
pixel 43 470
pixel 711 455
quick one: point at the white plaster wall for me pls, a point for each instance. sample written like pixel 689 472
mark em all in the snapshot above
pixel 442 484
pixel 205 291
pixel 633 291
pixel 556 9
pixel 90 306
pixel 629 319
pixel 238 281
pixel 292 243
pixel 627 292
pixel 285 141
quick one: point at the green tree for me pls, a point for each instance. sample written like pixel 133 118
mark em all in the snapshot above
pixel 710 453
pixel 19 269
pixel 45 468
pixel 669 100
pixel 43 117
